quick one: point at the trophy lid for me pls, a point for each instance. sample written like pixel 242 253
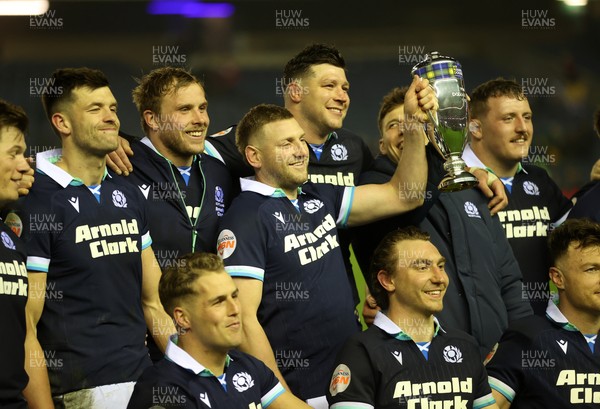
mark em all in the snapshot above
pixel 436 66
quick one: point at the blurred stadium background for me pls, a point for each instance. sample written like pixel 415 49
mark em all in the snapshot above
pixel 240 47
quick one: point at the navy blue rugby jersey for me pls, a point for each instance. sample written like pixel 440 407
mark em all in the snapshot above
pixel 546 362
pixel 384 368
pixel 92 328
pixel 307 306
pixel 182 218
pixel 180 382
pixel 13 298
pixel 344 157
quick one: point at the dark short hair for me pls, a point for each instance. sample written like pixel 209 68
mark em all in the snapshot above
pixel 176 283
pixel 390 101
pixel 385 257
pixel 495 88
pixel 597 121
pixel 255 120
pixel 314 54
pixel 581 232
pixel 152 87
pixel 13 115
pixel 64 81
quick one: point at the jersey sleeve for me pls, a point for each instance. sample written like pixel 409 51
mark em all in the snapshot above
pixel 242 243
pixel 36 236
pixel 353 382
pixel 270 386
pixel 505 370
pixel 482 393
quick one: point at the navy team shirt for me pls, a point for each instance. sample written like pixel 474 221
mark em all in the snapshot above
pixel 384 368
pixel 181 382
pixel 307 309
pixel 13 297
pixel 92 328
pixel 546 362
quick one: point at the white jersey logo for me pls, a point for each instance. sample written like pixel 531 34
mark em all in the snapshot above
pixel 242 381
pixel 452 354
pixel 398 356
pixel 7 241
pixel 563 345
pixel 204 398
pixel 119 199
pixel 75 203
pixel 531 188
pixel 471 210
pixel 145 189
pixel 279 216
pixel 339 152
pixel 311 206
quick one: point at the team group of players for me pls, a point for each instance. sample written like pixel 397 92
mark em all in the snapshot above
pixel 84 297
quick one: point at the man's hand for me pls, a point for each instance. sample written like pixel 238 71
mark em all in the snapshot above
pixel 492 188
pixel 118 160
pixel 27 180
pixel 420 98
pixel 370 309
pixel 595 173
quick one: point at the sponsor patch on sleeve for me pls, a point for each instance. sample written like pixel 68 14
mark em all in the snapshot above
pixel 226 243
pixel 340 379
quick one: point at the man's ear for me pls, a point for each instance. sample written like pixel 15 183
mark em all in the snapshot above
pixel 295 91
pixel 382 149
pixel 151 119
pixel 253 156
pixel 386 281
pixel 181 319
pixel 557 278
pixel 61 123
pixel 475 128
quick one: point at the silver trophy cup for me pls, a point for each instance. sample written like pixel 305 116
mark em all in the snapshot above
pixel 450 121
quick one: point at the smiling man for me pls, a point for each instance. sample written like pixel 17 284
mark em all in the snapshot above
pixel 316 91
pixel 93 278
pixel 485 294
pixel 554 361
pixel 13 273
pixel 406 359
pixel 501 134
pixel 279 241
pixel 203 369
pixel 186 190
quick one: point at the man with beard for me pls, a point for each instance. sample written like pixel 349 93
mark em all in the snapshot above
pixel 93 277
pixel 286 259
pixel 186 190
pixel 552 361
